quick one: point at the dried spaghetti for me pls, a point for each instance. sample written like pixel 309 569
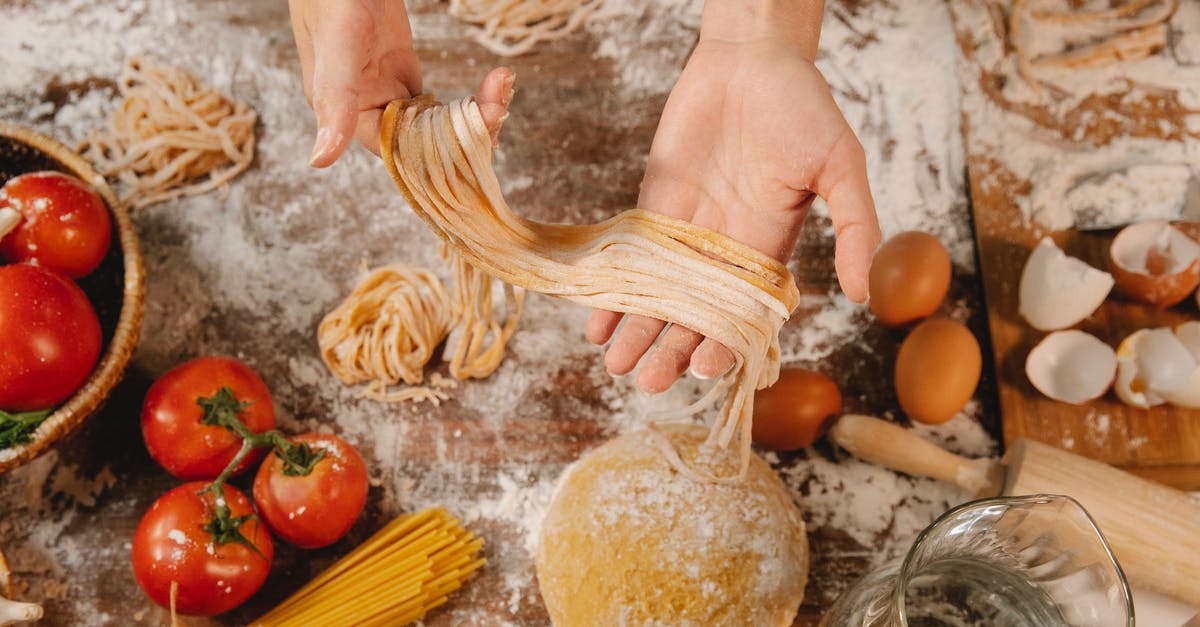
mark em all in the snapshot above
pixel 171 135
pixel 513 27
pixel 395 577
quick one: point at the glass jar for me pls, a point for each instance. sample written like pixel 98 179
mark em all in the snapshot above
pixel 1007 561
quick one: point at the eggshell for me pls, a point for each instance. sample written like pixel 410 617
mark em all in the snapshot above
pixel 1071 366
pixel 909 278
pixel 937 370
pixel 1058 291
pixel 1153 364
pixel 796 410
pixel 1189 396
pixel 1155 263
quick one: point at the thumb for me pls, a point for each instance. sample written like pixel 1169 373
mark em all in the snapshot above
pixel 843 184
pixel 340 55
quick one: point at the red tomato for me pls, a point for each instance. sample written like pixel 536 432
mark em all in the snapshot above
pixel 49 338
pixel 316 509
pixel 64 223
pixel 171 416
pixel 172 544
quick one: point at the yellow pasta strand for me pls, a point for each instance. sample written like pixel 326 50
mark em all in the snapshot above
pixel 513 27
pixel 171 135
pixel 406 569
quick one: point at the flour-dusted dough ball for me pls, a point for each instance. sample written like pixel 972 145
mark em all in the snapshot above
pixel 628 540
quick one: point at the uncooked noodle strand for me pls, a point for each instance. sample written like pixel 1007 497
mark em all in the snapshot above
pixel 171 135
pixel 513 27
pixel 637 262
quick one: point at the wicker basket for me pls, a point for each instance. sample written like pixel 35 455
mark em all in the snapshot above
pixel 21 150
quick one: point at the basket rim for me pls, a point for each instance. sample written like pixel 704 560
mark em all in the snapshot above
pixel 116 356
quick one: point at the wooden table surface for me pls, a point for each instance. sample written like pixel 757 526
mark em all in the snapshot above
pixel 250 272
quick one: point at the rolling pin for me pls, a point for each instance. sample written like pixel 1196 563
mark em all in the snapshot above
pixel 1153 530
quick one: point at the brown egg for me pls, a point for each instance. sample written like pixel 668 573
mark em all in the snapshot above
pixel 796 410
pixel 909 278
pixel 937 370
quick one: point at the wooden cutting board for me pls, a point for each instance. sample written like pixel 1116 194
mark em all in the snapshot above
pixel 1161 443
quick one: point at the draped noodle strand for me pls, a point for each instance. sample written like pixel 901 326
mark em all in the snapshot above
pixel 638 262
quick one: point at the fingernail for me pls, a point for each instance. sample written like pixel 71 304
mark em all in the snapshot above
pixel 702 377
pixel 511 89
pixel 322 147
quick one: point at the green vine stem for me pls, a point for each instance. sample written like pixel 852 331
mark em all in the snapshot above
pixel 18 428
pixel 223 409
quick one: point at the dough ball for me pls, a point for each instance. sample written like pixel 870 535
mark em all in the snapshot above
pixel 628 540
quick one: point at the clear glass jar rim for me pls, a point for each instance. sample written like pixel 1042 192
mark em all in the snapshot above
pixel 906 568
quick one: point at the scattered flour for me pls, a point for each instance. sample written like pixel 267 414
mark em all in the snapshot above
pixel 250 271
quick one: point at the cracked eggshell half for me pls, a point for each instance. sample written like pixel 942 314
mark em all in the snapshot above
pixel 1071 366
pixel 1152 364
pixel 1058 291
pixel 1189 396
pixel 1155 263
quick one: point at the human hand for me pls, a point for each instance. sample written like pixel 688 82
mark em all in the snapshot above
pixel 357 57
pixel 749 134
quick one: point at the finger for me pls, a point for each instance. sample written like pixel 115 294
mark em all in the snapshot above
pixel 668 360
pixel 631 343
pixel 711 359
pixel 601 324
pixel 340 56
pixel 367 129
pixel 494 95
pixel 843 184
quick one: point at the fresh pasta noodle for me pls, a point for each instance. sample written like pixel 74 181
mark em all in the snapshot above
pixel 386 331
pixel 513 27
pixel 397 576
pixel 639 262
pixel 1129 31
pixel 171 135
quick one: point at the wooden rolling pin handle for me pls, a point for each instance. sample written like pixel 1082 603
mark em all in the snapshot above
pixel 895 447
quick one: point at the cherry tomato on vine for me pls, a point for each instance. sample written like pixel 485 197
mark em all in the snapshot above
pixel 64 223
pixel 315 509
pixel 216 562
pixel 49 338
pixel 179 402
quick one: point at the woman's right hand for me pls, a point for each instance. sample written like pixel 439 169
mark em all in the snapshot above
pixel 357 56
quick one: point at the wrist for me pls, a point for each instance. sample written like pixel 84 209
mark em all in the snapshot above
pixel 796 22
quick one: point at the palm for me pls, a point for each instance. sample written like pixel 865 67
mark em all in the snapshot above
pixel 749 134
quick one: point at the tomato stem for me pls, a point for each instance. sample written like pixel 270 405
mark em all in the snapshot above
pixel 223 409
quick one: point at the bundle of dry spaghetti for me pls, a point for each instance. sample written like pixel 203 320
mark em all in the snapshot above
pixel 1131 30
pixel 386 331
pixel 171 135
pixel 513 27
pixel 406 569
pixel 639 262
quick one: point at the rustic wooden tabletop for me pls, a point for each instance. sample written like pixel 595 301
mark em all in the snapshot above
pixel 251 270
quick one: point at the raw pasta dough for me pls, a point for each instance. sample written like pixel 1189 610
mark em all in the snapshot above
pixel 629 541
pixel 440 157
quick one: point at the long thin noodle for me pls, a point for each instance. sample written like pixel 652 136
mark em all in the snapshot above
pixel 406 569
pixel 385 332
pixel 639 262
pixel 171 135
pixel 513 27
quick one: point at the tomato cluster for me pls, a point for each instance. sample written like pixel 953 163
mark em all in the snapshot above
pixel 53 228
pixel 208 420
